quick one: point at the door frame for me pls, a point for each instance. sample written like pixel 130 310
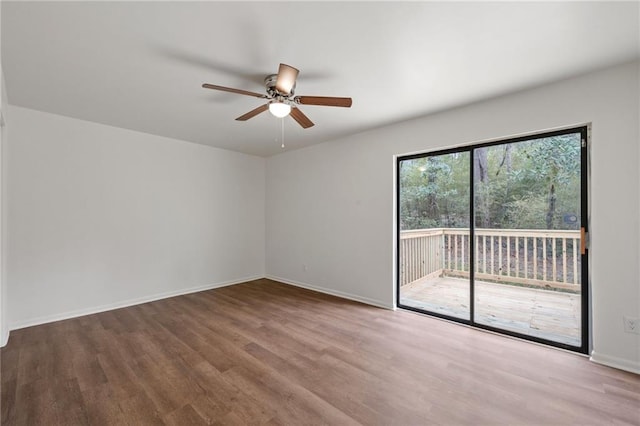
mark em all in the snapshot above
pixel 585 133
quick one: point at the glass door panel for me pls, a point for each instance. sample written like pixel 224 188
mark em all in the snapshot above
pixel 528 262
pixel 434 217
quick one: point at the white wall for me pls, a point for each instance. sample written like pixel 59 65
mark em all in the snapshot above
pixel 331 207
pixel 4 327
pixel 100 217
pixel 4 117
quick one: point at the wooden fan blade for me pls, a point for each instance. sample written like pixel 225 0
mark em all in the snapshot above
pixel 253 112
pixel 229 89
pixel 286 79
pixel 324 101
pixel 302 119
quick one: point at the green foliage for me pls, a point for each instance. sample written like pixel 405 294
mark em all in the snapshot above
pixel 528 185
pixel 433 192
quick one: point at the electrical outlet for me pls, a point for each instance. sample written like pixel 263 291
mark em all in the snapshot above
pixel 631 325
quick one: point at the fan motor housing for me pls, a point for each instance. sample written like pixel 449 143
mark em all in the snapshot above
pixel 270 83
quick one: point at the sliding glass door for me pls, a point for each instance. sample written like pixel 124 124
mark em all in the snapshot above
pixel 434 233
pixel 519 267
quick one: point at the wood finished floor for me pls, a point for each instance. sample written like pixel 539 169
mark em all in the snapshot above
pixel 268 353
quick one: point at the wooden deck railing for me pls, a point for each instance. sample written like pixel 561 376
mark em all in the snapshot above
pixel 545 258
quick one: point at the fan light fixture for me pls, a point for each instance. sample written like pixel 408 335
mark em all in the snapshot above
pixel 279 109
pixel 279 97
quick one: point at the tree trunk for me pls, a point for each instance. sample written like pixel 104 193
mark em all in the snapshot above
pixel 432 200
pixel 480 172
pixel 507 157
pixel 501 215
pixel 551 212
pixel 481 183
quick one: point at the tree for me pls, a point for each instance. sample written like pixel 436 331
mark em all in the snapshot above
pixel 526 185
pixel 481 179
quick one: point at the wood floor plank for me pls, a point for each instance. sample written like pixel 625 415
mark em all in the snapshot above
pixel 139 409
pixel 102 406
pixel 224 393
pixel 185 415
pixel 267 353
pixel 8 402
pixel 34 404
pixel 121 379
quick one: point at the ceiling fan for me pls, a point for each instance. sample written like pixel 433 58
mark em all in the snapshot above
pixel 280 96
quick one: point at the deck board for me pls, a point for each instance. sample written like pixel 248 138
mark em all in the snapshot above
pixel 545 314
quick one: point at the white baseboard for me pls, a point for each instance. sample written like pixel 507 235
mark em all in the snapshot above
pixel 615 362
pixel 332 292
pixel 123 304
pixel 5 339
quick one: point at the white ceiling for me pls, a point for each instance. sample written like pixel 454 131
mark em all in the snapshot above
pixel 141 65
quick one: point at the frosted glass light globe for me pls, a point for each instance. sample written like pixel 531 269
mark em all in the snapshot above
pixel 279 109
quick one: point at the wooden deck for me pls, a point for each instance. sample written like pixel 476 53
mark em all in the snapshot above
pixel 540 313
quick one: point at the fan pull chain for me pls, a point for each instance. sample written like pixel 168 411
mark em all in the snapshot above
pixel 282 127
